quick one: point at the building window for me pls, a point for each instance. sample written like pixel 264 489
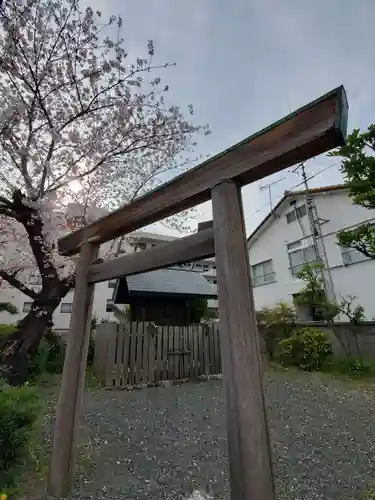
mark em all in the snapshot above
pixel 297 258
pixel 112 283
pixel 295 245
pixel 352 256
pixel 140 246
pixel 263 273
pixel 206 267
pixel 66 307
pixel 108 307
pixel 27 307
pixel 296 213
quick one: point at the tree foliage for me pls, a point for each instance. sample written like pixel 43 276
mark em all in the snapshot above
pixel 83 129
pixel 281 316
pixel 313 294
pixel 358 168
pixel 275 323
pixel 8 307
pixel 197 308
pixel 354 313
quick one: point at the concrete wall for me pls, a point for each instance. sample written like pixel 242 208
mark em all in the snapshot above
pixel 271 243
pixel 343 339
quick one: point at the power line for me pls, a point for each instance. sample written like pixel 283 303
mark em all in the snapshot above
pixel 297 185
pixel 317 173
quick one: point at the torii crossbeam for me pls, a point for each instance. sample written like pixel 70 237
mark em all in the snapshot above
pixel 311 130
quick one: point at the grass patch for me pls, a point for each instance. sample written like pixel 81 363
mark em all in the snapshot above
pixel 363 373
pixel 32 473
pixel 352 368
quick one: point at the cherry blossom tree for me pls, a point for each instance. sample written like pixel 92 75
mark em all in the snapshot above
pixel 82 129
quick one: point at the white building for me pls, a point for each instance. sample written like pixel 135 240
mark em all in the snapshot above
pixel 283 242
pixel 103 291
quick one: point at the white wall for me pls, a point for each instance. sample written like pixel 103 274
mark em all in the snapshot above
pixel 336 207
pixel 61 320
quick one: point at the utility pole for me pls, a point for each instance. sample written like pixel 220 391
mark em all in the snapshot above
pixel 318 241
pixel 268 187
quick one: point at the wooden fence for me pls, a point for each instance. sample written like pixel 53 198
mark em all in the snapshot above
pixel 133 353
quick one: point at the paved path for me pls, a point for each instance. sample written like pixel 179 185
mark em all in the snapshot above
pixel 167 443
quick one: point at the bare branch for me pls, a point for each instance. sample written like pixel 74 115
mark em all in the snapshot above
pixel 10 277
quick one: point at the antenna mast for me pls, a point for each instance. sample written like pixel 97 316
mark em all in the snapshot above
pixel 269 187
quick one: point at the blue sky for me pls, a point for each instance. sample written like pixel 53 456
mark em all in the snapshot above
pixel 245 64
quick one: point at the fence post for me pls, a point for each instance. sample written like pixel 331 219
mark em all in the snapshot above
pixel 248 439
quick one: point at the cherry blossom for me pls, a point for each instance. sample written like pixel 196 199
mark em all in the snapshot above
pixel 84 128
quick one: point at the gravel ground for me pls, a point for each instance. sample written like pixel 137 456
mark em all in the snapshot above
pixel 167 443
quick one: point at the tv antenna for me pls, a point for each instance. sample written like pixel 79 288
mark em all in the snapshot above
pixel 269 187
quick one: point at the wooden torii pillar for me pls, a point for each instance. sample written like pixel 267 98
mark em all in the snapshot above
pixel 313 129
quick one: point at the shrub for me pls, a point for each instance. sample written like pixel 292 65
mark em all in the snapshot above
pixel 38 361
pixel 307 348
pixel 19 410
pixel 8 307
pixel 56 352
pixel 358 367
pixel 197 309
pixel 91 350
pixel 6 330
pixel 50 355
pixel 275 323
pixel 355 367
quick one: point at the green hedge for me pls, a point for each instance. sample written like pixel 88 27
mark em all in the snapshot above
pixel 49 356
pixel 19 410
pixel 6 330
pixel 306 348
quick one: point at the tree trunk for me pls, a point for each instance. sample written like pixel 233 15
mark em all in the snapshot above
pixel 18 348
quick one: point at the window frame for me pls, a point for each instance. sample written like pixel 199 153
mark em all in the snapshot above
pixel 293 248
pixel 264 282
pixel 347 251
pixel 297 213
pixel 26 308
pixel 112 283
pixel 66 304
pixel 109 302
pixel 140 246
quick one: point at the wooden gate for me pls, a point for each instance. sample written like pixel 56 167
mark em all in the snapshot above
pixel 133 353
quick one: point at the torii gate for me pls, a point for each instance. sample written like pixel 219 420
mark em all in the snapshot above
pixel 311 130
